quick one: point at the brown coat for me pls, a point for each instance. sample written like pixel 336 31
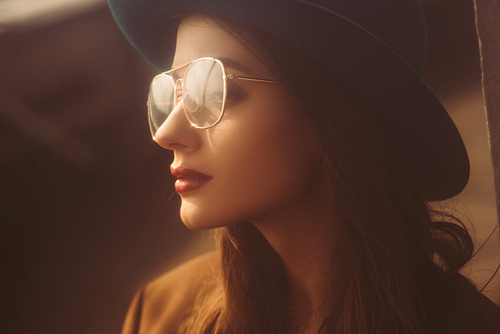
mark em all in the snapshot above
pixel 160 306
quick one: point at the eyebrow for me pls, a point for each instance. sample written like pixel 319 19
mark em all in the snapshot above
pixel 230 63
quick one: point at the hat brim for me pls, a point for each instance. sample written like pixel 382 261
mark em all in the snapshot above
pixel 424 136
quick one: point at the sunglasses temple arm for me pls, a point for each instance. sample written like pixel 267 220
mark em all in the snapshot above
pixel 230 77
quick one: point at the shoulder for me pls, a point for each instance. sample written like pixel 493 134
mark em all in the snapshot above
pixel 465 310
pixel 161 305
pixel 197 272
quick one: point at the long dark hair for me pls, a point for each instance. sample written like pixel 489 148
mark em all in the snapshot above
pixel 395 252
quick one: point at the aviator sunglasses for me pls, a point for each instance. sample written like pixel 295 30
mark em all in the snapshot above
pixel 203 92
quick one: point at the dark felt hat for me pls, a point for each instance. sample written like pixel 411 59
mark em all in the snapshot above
pixel 378 47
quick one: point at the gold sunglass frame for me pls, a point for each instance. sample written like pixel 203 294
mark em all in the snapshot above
pixel 225 77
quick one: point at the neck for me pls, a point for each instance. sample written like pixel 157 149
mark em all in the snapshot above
pixel 304 235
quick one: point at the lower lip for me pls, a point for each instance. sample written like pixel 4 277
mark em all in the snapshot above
pixel 184 185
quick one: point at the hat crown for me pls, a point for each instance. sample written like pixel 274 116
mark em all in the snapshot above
pixel 400 24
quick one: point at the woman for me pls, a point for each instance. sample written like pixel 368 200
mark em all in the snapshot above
pixel 303 134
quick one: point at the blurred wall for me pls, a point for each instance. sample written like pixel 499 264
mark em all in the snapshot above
pixel 84 219
pixel 453 72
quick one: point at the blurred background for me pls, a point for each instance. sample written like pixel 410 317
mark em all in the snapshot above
pixel 84 218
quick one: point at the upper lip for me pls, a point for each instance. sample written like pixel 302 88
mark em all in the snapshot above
pixel 181 172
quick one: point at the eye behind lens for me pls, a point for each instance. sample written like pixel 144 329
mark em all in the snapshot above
pixel 203 95
pixel 191 102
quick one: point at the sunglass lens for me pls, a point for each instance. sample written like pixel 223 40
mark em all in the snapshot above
pixel 203 94
pixel 161 101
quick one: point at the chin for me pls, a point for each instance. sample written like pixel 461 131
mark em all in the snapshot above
pixel 197 219
pixel 196 216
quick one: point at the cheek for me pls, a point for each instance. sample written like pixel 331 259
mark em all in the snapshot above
pixel 268 161
pixel 274 157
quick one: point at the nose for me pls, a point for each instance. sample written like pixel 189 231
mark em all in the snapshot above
pixel 176 133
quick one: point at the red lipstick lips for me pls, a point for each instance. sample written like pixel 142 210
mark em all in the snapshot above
pixel 188 179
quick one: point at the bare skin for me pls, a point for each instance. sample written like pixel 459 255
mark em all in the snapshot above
pixel 266 168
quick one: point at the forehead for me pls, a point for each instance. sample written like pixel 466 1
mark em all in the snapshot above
pixel 197 38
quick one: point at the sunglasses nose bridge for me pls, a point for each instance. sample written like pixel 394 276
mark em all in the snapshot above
pixel 178 90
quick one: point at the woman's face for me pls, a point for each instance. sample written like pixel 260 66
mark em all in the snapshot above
pixel 261 159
